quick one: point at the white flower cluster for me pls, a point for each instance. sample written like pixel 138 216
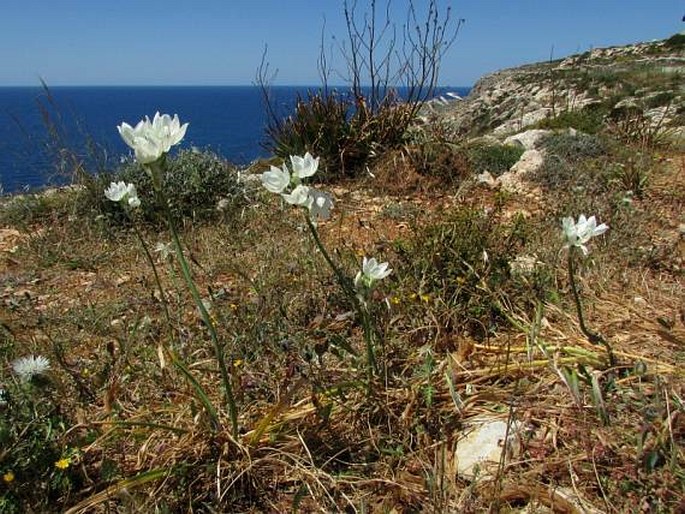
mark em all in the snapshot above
pixel 123 192
pixel 577 234
pixel 292 190
pixel 152 139
pixel 28 367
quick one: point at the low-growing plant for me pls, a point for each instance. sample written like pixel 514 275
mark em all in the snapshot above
pixel 573 148
pixel 632 173
pixel 572 163
pixel 636 129
pixel 443 161
pixel 465 262
pixel 35 464
pixel 660 99
pixel 28 209
pixel 198 183
pixel 589 119
pixel 494 158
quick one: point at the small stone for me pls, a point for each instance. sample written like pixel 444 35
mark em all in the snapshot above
pixel 638 300
pixel 486 178
pixel 479 452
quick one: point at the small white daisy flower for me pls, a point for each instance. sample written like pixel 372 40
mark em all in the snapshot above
pixel 29 367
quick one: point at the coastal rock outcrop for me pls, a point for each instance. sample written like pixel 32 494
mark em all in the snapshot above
pixel 642 79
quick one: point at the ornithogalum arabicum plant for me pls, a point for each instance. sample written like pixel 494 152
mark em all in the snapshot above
pixel 289 184
pixel 151 141
pixel 576 235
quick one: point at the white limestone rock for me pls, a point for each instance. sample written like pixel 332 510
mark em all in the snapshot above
pixel 530 161
pixel 528 139
pixel 478 453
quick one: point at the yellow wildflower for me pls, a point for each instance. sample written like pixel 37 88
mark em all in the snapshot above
pixel 8 477
pixel 63 463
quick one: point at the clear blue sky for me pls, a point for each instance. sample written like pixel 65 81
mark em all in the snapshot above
pixel 216 42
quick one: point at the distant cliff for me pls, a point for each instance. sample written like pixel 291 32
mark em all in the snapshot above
pixel 645 79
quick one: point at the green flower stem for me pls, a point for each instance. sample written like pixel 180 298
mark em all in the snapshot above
pixel 148 255
pixel 218 350
pixel 344 281
pixel 372 368
pixel 211 411
pixel 593 337
pixel 175 358
pixel 359 305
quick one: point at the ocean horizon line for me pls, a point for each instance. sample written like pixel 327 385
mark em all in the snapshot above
pixel 165 86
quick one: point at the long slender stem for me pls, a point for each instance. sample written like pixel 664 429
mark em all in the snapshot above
pixel 218 350
pixel 344 281
pixel 368 339
pixel 593 337
pixel 185 269
pixel 358 304
pixel 158 281
pixel 175 358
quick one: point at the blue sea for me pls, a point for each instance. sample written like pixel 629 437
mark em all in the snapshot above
pixel 35 122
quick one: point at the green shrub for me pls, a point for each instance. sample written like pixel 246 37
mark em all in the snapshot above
pixel 24 210
pixel 675 42
pixel 589 119
pixel 572 148
pixel 194 184
pixel 573 164
pixel 343 132
pixel 660 99
pixel 464 261
pixel 494 158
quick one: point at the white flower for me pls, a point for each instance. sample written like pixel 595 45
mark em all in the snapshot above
pixel 29 367
pixel 577 234
pixel 277 179
pixel 298 196
pixel 304 166
pixel 168 131
pixel 371 271
pixel 133 200
pixel 116 191
pixel 320 205
pixel 142 140
pixel 165 250
pixel 151 140
pixel 121 191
